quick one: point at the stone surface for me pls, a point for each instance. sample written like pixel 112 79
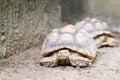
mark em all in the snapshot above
pixel 24 24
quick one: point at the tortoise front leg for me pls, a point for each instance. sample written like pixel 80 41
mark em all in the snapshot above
pixel 49 61
pixel 110 42
pixel 79 61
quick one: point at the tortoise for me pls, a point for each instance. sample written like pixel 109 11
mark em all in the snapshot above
pixel 66 46
pixel 99 31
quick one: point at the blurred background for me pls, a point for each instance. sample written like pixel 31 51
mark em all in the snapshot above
pixel 105 10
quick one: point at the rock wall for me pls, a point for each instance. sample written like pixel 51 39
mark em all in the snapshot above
pixel 25 23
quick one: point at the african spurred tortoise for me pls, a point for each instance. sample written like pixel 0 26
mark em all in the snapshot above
pixel 67 46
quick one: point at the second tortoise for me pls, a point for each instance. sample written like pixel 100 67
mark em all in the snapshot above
pixel 99 31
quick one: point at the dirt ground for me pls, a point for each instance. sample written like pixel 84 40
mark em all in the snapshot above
pixel 25 66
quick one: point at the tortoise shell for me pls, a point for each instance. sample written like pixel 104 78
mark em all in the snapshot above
pixel 93 26
pixel 67 37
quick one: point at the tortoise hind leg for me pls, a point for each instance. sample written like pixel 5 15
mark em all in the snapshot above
pixel 49 61
pixel 79 61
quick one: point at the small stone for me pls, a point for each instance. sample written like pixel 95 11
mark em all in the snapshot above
pixel 2 52
pixel 2 38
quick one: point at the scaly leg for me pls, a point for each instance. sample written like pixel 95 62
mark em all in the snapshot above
pixel 110 42
pixel 79 61
pixel 49 61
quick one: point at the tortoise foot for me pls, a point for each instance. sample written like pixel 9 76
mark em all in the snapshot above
pixel 79 61
pixel 49 61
